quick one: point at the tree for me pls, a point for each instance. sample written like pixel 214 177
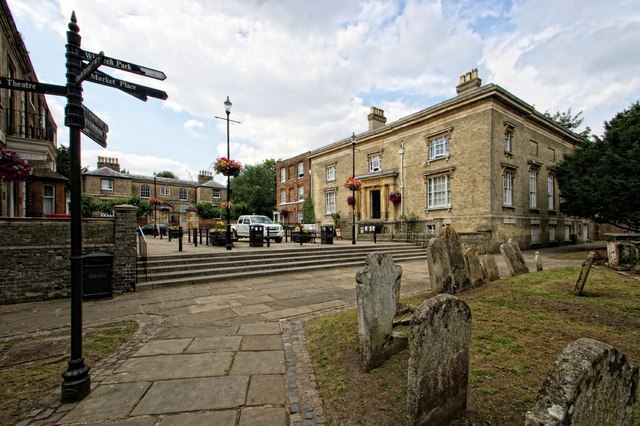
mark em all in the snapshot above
pixel 308 213
pixel 63 161
pixel 570 122
pixel 254 191
pixel 600 180
pixel 166 174
pixel 206 210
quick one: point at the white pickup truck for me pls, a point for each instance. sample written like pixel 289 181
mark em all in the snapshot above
pixel 241 229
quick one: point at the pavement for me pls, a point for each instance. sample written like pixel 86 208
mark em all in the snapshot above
pixel 229 352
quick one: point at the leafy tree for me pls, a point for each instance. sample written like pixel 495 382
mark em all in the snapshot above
pixel 253 191
pixel 600 180
pixel 91 205
pixel 88 205
pixel 166 174
pixel 570 122
pixel 63 161
pixel 206 210
pixel 308 213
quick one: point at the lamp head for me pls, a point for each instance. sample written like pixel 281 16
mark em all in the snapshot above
pixel 353 138
pixel 227 105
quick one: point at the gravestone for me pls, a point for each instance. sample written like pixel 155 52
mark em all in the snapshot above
pixel 447 269
pixel 591 383
pixel 377 295
pixel 584 273
pixel 478 275
pixel 538 262
pixel 489 263
pixel 438 372
pixel 513 258
pixel 440 273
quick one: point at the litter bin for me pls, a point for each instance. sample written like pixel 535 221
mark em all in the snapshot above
pixel 256 238
pixel 97 270
pixel 326 234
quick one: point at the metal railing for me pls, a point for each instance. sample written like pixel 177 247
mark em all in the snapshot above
pixel 29 125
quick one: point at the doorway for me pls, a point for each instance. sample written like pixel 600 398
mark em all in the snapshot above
pixel 375 203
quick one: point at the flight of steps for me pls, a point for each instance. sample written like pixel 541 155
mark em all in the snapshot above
pixel 166 271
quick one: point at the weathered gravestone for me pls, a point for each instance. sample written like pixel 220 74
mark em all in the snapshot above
pixel 584 273
pixel 538 261
pixel 489 263
pixel 513 257
pixel 591 383
pixel 377 295
pixel 447 269
pixel 478 274
pixel 438 373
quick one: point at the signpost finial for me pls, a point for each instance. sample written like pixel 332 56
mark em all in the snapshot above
pixel 73 25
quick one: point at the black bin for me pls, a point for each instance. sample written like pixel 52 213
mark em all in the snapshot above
pixel 326 234
pixel 97 271
pixel 255 236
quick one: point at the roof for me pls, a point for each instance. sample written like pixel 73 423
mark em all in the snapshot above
pixel 47 174
pixel 213 184
pixel 108 172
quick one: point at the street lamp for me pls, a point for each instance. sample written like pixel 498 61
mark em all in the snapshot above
pixel 155 209
pixel 227 109
pixel 353 190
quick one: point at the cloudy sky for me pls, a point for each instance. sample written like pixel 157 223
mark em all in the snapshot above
pixel 303 73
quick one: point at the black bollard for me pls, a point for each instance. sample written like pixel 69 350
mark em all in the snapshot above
pixel 195 237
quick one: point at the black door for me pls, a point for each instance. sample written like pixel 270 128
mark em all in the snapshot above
pixel 375 204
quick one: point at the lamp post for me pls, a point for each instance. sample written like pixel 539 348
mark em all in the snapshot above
pixel 353 190
pixel 227 109
pixel 155 208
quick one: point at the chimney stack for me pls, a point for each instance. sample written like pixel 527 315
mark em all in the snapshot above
pixel 204 177
pixel 111 163
pixel 468 81
pixel 376 118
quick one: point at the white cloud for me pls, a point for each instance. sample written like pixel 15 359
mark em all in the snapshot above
pixel 192 126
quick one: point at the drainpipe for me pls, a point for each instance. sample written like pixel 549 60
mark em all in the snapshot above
pixel 401 152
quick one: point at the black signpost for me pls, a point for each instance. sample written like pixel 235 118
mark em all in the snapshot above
pixel 76 380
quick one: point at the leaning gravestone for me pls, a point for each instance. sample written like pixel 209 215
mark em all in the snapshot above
pixel 440 273
pixel 513 257
pixel 377 295
pixel 489 263
pixel 438 374
pixel 456 258
pixel 591 383
pixel 478 275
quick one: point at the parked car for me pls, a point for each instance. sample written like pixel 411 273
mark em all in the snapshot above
pixel 147 228
pixel 241 229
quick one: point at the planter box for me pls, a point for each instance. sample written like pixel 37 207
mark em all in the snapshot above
pixel 218 238
pixel 297 237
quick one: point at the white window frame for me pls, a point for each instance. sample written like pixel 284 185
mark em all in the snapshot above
pixel 165 190
pixel 552 232
pixel 507 188
pixel 184 194
pixel 329 202
pixel 330 172
pixel 567 232
pixel 300 216
pixel 145 191
pixel 535 234
pixel 508 140
pixel 215 193
pixel 375 163
pixel 551 191
pixel 300 193
pixel 48 200
pixel 439 147
pixel 439 192
pixel 300 170
pixel 283 174
pixel 283 196
pixel 533 189
pixel 106 184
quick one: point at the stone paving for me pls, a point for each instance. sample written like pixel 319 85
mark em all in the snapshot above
pixel 225 353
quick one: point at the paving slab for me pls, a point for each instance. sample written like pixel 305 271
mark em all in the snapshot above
pixel 106 403
pixel 215 344
pixel 198 331
pixel 263 416
pixel 207 393
pixel 164 347
pixel 266 390
pixel 260 362
pixel 217 418
pixel 163 367
pixel 260 328
pixel 251 309
pixel 286 313
pixel 262 343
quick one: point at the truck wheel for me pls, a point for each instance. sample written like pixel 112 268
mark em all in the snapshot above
pixel 235 234
pixel 278 239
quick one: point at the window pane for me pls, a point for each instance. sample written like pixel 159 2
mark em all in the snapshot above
pixel 533 191
pixel 439 194
pixel 331 173
pixel 439 147
pixel 144 191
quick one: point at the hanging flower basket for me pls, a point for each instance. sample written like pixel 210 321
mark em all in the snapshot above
pixel 155 201
pixel 13 168
pixel 395 197
pixel 224 205
pixel 350 200
pixel 284 212
pixel 353 184
pixel 227 167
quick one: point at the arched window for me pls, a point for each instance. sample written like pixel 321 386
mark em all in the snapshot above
pixel 144 191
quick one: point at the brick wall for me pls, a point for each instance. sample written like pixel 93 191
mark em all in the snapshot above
pixel 34 256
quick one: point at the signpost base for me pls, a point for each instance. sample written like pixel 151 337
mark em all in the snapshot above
pixel 76 382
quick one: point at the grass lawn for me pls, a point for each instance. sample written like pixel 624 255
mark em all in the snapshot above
pixel 519 327
pixel 31 369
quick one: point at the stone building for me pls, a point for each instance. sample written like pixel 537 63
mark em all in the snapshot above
pixel 482 162
pixel 176 195
pixel 292 186
pixel 27 127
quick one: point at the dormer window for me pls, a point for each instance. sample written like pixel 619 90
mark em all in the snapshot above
pixel 439 148
pixel 375 163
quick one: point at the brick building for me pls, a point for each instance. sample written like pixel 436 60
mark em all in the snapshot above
pixel 177 195
pixel 293 184
pixel 27 127
pixel 482 162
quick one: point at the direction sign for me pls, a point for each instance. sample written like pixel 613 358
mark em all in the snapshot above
pixel 90 116
pixel 93 65
pixel 125 66
pixel 126 86
pixel 32 86
pixel 100 139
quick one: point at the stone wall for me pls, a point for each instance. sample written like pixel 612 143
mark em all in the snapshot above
pixel 34 256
